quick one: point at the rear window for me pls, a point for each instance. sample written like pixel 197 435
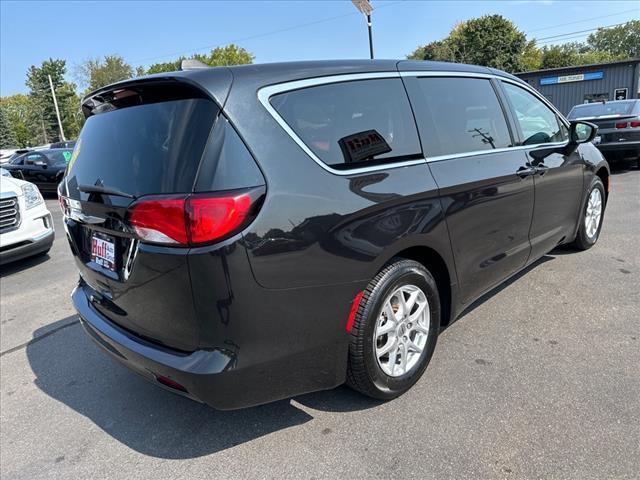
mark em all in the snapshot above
pixel 592 110
pixel 353 124
pixel 59 158
pixel 144 149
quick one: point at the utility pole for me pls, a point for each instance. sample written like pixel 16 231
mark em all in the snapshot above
pixel 55 104
pixel 365 8
pixel 370 36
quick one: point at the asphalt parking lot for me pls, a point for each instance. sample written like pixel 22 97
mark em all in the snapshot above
pixel 541 379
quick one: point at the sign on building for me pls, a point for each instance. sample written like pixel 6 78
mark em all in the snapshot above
pixel 620 93
pixel 578 77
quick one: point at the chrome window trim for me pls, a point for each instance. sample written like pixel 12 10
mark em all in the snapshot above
pixel 265 93
pixel 518 83
pixel 475 153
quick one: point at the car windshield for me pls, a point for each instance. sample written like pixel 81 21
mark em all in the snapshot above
pixel 591 110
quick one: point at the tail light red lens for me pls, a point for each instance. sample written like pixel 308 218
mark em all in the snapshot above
pixel 209 218
pixel 160 220
pixel 621 125
pixel 190 220
pixel 635 124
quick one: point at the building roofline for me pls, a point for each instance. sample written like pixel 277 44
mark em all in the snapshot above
pixel 590 65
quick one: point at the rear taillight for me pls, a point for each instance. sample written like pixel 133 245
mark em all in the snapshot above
pixel 160 220
pixel 193 219
pixel 621 125
pixel 635 124
pixel 209 218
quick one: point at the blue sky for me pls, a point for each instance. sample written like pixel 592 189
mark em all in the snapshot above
pixel 153 31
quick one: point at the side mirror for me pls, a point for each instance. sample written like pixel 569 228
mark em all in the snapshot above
pixel 582 132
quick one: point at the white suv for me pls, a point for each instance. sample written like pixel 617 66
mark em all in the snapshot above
pixel 26 226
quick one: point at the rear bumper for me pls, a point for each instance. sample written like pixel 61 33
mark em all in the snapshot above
pixel 27 248
pixel 631 147
pixel 196 372
pixel 214 376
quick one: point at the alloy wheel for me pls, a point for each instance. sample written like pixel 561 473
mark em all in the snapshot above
pixel 401 330
pixel 593 214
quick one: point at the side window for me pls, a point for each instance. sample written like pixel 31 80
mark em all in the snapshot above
pixel 352 124
pixel 459 115
pixel 538 123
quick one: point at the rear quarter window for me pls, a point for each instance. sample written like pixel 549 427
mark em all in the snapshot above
pixel 352 124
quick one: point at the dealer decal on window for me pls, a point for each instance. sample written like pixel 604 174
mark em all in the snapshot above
pixel 363 146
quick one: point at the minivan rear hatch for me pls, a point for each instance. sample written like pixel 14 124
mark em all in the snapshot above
pixel 143 139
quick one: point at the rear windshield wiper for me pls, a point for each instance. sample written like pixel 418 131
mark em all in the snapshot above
pixel 104 191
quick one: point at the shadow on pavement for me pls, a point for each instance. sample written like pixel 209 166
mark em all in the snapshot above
pixel 491 293
pixel 618 168
pixel 71 369
pixel 20 265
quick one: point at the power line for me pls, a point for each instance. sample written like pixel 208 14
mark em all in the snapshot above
pixel 581 21
pixel 260 35
pixel 572 37
pixel 580 31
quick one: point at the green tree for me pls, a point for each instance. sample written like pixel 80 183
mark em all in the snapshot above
pixel 531 57
pixel 17 112
pixel 165 66
pixel 622 41
pixel 43 111
pixel 229 55
pixel 557 56
pixel 7 138
pixel 95 73
pixel 573 54
pixel 440 50
pixel 491 40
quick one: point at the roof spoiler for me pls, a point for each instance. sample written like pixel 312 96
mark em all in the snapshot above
pixel 192 64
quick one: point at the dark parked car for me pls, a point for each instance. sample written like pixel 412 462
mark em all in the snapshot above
pixel 44 168
pixel 246 234
pixel 14 155
pixel 618 127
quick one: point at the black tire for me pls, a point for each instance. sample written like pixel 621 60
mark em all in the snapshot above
pixel 363 372
pixel 583 241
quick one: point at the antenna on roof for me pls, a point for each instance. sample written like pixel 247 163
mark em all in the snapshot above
pixel 192 64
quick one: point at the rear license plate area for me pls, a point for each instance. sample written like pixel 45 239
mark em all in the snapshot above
pixel 103 250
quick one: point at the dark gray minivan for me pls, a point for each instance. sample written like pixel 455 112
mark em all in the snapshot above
pixel 245 234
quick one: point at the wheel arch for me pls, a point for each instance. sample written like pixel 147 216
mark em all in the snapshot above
pixel 436 264
pixel 603 174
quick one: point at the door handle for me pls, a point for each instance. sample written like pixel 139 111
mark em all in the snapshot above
pixel 526 171
pixel 541 169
